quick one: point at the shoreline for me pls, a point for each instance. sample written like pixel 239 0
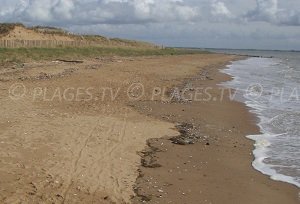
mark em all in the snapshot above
pixel 260 152
pixel 156 183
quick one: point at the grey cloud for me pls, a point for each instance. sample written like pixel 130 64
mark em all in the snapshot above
pixel 91 12
pixel 269 11
pixel 103 11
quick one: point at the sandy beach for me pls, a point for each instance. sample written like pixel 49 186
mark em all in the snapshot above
pixel 107 131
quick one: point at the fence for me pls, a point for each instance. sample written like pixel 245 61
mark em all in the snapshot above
pixel 43 43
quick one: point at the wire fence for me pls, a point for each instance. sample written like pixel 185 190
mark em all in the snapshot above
pixel 43 43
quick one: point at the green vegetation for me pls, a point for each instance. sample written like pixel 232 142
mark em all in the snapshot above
pixel 19 55
pixel 5 28
pixel 49 32
pixel 100 46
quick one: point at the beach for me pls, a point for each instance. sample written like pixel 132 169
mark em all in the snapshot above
pixel 106 130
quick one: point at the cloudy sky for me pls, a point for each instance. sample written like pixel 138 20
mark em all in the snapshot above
pixel 259 24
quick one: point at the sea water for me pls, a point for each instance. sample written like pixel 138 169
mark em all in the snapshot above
pixel 271 88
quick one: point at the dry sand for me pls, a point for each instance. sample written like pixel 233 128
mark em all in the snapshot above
pixel 21 33
pixel 64 141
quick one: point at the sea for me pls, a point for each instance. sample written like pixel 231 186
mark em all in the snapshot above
pixel 269 83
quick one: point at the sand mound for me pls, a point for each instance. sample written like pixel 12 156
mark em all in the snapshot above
pixel 23 33
pixel 18 32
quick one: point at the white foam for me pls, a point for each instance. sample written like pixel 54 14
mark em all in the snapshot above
pixel 260 154
pixel 260 68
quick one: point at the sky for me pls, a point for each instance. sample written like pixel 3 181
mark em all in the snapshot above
pixel 246 24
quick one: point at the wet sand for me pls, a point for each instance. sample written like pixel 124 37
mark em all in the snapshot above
pixel 75 133
pixel 217 168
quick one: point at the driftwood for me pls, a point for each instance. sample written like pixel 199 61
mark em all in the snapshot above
pixel 70 61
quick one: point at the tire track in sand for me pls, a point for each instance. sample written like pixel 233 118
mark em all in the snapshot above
pixel 75 166
pixel 106 155
pixel 109 153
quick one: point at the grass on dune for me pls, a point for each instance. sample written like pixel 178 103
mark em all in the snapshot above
pixel 19 55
